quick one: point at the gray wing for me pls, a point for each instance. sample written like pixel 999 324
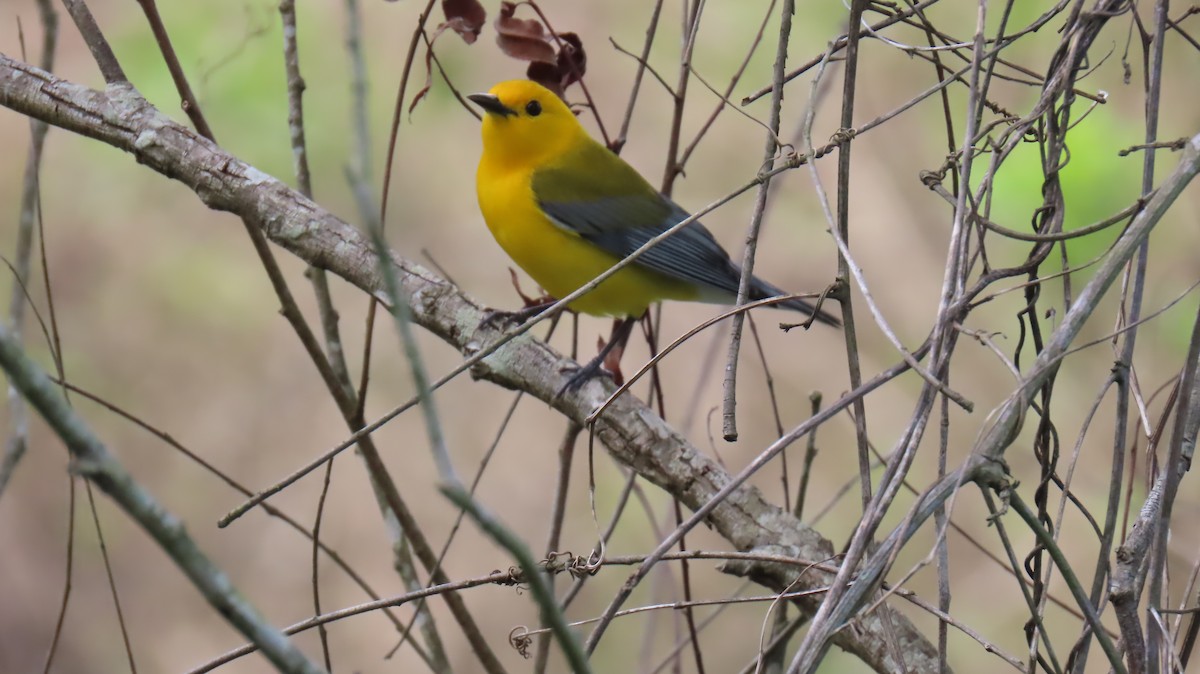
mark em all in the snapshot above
pixel 621 225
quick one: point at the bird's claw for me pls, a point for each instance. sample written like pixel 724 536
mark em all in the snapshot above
pixel 532 306
pixel 581 374
pixel 500 319
pixel 496 318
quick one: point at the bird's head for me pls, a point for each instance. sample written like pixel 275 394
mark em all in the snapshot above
pixel 525 123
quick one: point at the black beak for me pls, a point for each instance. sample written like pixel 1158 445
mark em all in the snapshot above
pixel 491 104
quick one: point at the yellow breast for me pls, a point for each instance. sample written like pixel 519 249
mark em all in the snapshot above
pixel 559 261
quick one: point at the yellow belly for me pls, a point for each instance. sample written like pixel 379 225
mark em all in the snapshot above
pixel 562 262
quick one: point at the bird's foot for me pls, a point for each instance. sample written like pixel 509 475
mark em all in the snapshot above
pixel 581 374
pixel 495 318
pixel 544 300
pixel 611 359
pixel 606 364
pixel 531 307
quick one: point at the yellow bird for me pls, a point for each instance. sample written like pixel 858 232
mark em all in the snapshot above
pixel 566 209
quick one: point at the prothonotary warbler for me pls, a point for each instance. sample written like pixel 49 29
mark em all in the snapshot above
pixel 566 209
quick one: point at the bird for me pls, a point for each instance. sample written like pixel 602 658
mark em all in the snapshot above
pixel 565 208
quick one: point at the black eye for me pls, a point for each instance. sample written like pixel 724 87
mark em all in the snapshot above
pixel 533 108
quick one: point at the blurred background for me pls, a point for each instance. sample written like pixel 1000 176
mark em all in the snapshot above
pixel 165 311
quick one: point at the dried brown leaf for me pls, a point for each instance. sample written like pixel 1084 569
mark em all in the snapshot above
pixel 465 17
pixel 420 95
pixel 523 39
pixel 568 67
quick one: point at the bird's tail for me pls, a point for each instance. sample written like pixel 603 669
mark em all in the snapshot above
pixel 761 290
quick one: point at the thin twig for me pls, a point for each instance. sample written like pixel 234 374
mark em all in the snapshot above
pixel 566 451
pixel 733 82
pixel 1110 649
pixel 643 65
pixel 112 582
pixel 315 563
pixel 187 99
pixel 500 577
pixel 295 90
pixel 842 225
pixel 102 52
pixel 18 439
pixel 403 318
pixel 1156 598
pixel 691 28
pixel 69 573
pixel 729 383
